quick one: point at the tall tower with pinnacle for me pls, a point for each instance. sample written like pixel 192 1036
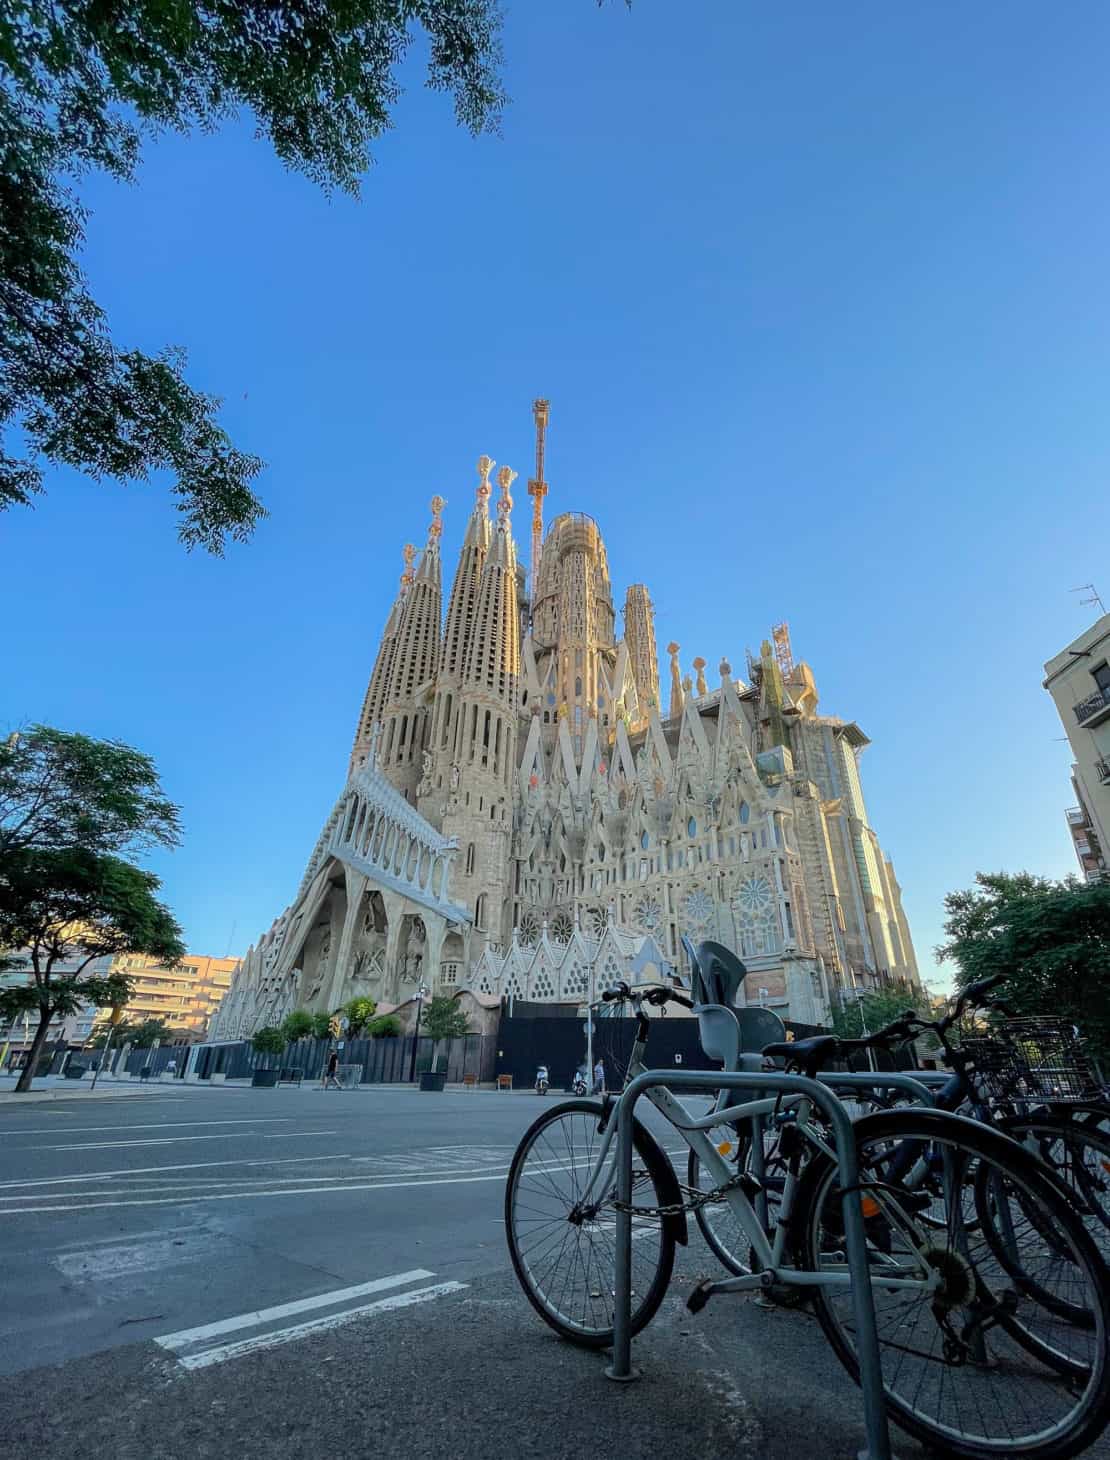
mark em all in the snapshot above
pixel 378 687
pixel 470 794
pixel 639 635
pixel 407 703
pixel 447 726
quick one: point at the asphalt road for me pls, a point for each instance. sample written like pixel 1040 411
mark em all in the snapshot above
pixel 145 1239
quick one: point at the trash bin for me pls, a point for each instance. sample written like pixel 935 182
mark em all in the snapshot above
pixel 74 1072
pixel 144 1073
pixel 433 1079
pixel 292 1075
pixel 265 1078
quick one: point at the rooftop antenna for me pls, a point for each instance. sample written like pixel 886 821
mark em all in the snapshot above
pixel 537 490
pixel 1094 598
pixel 231 938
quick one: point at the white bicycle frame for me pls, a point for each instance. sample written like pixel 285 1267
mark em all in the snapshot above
pixel 770 1253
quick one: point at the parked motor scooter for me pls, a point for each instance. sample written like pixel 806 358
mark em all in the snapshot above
pixel 578 1085
pixel 541 1080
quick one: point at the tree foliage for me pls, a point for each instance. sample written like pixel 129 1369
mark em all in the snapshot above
pixel 321 1026
pixel 82 82
pixel 385 1026
pixel 69 805
pixel 297 1025
pixel 871 1011
pixel 69 908
pixel 140 1035
pixel 442 1018
pixel 62 789
pixel 270 1040
pixel 359 1013
pixel 1051 940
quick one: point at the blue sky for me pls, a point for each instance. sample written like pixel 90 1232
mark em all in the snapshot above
pixel 819 297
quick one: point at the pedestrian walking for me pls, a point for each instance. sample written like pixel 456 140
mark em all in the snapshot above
pixel 599 1077
pixel 331 1079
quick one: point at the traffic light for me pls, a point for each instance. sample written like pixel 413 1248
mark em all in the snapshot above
pixel 333 1026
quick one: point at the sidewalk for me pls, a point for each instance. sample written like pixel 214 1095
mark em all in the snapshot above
pixel 55 1087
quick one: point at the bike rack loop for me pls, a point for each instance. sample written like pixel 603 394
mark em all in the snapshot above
pixel 867 1340
pixel 868 1079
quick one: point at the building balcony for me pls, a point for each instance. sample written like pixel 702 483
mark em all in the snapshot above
pixel 1102 771
pixel 1094 709
pixel 1076 816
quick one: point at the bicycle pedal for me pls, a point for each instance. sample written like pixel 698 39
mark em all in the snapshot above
pixel 700 1296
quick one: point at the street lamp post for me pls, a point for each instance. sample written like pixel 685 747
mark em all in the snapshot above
pixel 113 1024
pixel 420 992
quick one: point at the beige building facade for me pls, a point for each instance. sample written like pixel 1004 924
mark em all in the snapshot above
pixel 517 785
pixel 184 998
pixel 1078 679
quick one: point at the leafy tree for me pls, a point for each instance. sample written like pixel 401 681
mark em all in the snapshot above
pixel 140 1036
pixel 442 1019
pixel 1051 940
pixel 74 906
pixel 61 789
pixel 321 1026
pixel 297 1025
pixel 385 1026
pixel 270 1040
pixel 358 1012
pixel 872 1010
pixel 82 82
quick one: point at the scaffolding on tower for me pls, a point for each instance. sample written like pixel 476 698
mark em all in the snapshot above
pixel 780 637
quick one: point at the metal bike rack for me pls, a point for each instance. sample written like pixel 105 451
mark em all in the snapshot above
pixel 867 1341
pixel 879 1079
pixel 865 1080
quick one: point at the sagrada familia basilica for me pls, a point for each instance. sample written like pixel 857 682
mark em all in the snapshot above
pixel 527 813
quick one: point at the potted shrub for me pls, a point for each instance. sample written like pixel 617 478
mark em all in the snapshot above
pixel 269 1041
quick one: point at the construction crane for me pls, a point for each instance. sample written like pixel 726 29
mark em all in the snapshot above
pixel 537 490
pixel 780 637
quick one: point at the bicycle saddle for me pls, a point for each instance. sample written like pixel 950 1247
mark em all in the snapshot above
pixel 811 1054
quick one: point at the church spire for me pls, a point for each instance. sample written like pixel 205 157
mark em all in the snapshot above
pixel 374 699
pixel 464 591
pixel 493 660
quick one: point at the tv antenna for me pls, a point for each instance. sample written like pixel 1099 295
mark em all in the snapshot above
pixel 1094 598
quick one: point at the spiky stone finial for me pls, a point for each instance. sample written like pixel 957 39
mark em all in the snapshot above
pixel 505 478
pixel 435 530
pixel 485 466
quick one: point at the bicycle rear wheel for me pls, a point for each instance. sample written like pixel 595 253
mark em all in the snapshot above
pixel 1078 1155
pixel 565 1255
pixel 975 1365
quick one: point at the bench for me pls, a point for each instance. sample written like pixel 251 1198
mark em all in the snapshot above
pixel 470 1082
pixel 504 1082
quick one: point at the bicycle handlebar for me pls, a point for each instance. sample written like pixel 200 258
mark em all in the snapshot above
pixel 659 995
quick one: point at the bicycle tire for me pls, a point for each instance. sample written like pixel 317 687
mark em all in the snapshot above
pixel 1013 1385
pixel 595 1328
pixel 1087 1189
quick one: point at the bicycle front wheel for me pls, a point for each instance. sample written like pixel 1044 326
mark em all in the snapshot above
pixel 564 1250
pixel 971 1361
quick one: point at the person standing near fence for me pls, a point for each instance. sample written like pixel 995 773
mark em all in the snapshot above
pixel 330 1076
pixel 599 1077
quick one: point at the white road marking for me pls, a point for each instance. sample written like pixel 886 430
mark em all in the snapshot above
pixel 150 1170
pixel 107 1264
pixel 187 1336
pixel 181 1199
pixel 226 1351
pixel 176 1140
pixel 82 1130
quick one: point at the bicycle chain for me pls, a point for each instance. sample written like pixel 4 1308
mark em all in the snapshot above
pixel 697 1199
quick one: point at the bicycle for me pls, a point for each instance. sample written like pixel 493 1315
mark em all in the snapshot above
pixel 974 1362
pixel 1030 1080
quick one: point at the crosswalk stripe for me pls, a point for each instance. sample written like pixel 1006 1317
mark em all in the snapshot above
pixel 222 1352
pixel 186 1336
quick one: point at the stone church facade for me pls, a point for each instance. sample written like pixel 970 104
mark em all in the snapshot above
pixel 520 800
